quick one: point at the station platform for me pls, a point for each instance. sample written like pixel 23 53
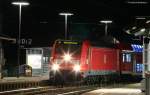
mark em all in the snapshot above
pixel 12 83
pixel 23 79
pixel 128 89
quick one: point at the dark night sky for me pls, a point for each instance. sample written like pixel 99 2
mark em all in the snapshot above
pixel 41 22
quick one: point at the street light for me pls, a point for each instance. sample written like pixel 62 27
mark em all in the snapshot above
pixel 137 2
pixel 20 4
pixel 66 15
pixel 106 22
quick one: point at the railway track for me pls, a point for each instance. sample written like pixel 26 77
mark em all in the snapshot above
pixel 58 90
pixel 49 91
pixel 37 88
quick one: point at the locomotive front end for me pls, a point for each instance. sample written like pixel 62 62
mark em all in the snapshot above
pixel 65 64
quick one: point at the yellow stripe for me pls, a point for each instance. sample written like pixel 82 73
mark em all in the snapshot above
pixel 70 43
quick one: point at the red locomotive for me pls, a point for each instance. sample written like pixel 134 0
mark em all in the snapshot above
pixel 65 61
pixel 73 60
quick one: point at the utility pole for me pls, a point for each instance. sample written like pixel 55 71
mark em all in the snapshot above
pixel 146 64
pixel 1 61
pixel 146 61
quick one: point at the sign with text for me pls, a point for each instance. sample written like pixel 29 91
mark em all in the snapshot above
pixel 25 42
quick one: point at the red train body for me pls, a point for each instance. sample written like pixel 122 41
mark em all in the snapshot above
pixel 101 61
pixel 91 61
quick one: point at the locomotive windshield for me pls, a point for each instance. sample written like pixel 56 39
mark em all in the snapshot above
pixel 68 46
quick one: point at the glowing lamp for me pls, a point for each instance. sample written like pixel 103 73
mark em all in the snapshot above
pixel 76 68
pixel 69 14
pixel 67 57
pixel 55 67
pixel 106 21
pixel 21 3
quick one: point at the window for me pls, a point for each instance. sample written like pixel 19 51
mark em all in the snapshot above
pixel 123 58
pixel 46 59
pixel 139 67
pixel 126 57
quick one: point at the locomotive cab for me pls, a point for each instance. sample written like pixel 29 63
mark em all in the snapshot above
pixel 65 61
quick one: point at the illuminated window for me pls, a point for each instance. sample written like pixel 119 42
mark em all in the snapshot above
pixel 45 59
pixel 139 68
pixel 126 57
pixel 123 58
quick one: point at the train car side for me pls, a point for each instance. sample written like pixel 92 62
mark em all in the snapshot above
pixel 101 63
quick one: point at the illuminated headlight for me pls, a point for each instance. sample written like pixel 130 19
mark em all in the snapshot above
pixel 76 68
pixel 67 57
pixel 55 67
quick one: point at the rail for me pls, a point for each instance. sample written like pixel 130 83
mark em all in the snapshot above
pixel 51 90
pixel 54 90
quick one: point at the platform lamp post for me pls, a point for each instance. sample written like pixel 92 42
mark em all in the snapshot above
pixel 66 14
pixel 106 22
pixel 20 4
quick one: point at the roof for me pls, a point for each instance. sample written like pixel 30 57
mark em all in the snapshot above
pixel 5 37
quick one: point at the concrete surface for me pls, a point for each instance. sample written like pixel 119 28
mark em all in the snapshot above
pixel 130 89
pixel 22 79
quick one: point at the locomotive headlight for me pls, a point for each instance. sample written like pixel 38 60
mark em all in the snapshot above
pixel 55 67
pixel 76 68
pixel 67 57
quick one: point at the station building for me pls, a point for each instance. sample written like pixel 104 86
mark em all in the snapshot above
pixel 38 59
pixel 3 39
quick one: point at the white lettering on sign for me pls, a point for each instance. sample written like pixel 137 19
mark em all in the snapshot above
pixel 25 41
